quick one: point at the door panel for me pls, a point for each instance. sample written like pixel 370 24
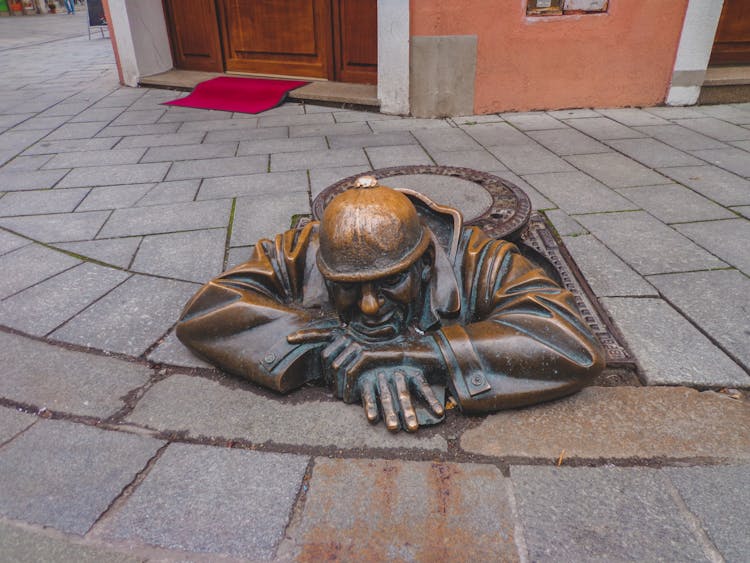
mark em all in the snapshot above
pixel 732 42
pixel 194 34
pixel 288 37
pixel 355 25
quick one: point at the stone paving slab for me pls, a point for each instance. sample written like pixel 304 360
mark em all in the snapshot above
pixel 601 514
pixel 716 128
pixel 190 152
pixel 30 179
pixel 716 184
pixel 113 197
pixel 253 185
pixel 46 146
pixel 616 170
pixel 728 239
pixel 165 193
pixel 13 422
pixel 115 175
pixel 27 162
pixel 602 128
pixel 743 210
pixel 257 492
pixel 196 256
pixel 564 224
pixel 58 227
pixel 653 153
pixel 74 474
pixel 135 130
pixel 233 166
pixel 673 203
pixel 41 201
pixel 96 158
pixel 681 137
pixel 76 131
pixel 190 404
pixel 333 158
pixel 407 155
pixel 576 192
pixel 172 352
pixel 480 160
pixel 117 252
pixel 734 160
pixel 533 121
pixel 439 140
pixel 248 226
pixel 529 159
pixel 566 142
pixel 669 349
pixel 242 134
pixel 496 134
pixel 29 265
pixel 272 146
pixel 632 117
pixel 371 140
pixel 216 123
pixel 166 139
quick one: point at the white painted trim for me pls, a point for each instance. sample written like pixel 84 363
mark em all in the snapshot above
pixel 696 42
pixel 393 56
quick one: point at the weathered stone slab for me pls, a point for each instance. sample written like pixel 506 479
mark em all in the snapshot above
pixel 653 153
pixel 12 422
pixel 234 166
pixel 603 128
pixel 632 117
pixel 165 193
pixel 272 146
pixel 41 202
pixel 565 142
pixel 58 227
pixel 616 170
pixel 113 197
pixel 716 128
pixel 136 130
pixel 497 134
pixel 10 242
pixel 167 139
pixel 564 224
pixel 18 180
pixel 576 192
pixel 71 145
pixel 406 124
pixel 680 137
pixel 377 510
pixel 192 404
pixel 213 500
pixel 27 162
pixel 479 159
pixel 218 122
pixel 533 121
pixel 295 119
pixel 138 117
pixel 65 475
pixel 190 152
pixel 29 265
pixel 192 256
pixel 96 158
pixel 253 185
pixel 737 114
pixel 714 183
pixel 242 134
pixel 439 140
pixel 249 226
pixel 318 159
pixel 673 203
pixel 735 160
pixel 171 351
pixel 573 113
pixel 530 158
pixel 601 514
pixel 115 175
pixel 371 140
pixel 76 131
pixel 384 157
pixel 116 251
pixel 729 240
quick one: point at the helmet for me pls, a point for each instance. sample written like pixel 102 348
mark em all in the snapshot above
pixel 369 232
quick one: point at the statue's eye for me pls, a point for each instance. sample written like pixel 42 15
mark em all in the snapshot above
pixel 394 280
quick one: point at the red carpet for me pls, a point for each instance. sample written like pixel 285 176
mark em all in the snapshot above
pixel 245 95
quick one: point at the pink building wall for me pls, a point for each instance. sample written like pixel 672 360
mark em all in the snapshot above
pixel 623 57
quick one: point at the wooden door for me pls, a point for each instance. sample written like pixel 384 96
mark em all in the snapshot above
pixel 355 31
pixel 285 37
pixel 194 34
pixel 732 42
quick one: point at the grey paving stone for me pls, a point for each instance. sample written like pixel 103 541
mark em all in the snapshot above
pixel 616 170
pixel 730 113
pixel 716 128
pixel 64 475
pixel 13 422
pixel 221 124
pixel 41 202
pixel 675 112
pixel 743 210
pixel 97 114
pixel 603 128
pixel 249 520
pixel 406 155
pixel 607 275
pixel 60 227
pixel 720 498
pixel 669 349
pixel 478 160
pixel 10 120
pixel 118 251
pixel 295 119
pixel 321 178
pixel 61 380
pixel 497 134
pixel 112 197
pixel 29 265
pixel 253 184
pixel 184 115
pixel 29 163
pixel 189 152
pixel 139 117
pixel 744 145
pixel 717 301
pixel 564 224
pixel 270 146
pixel 681 137
pixel 573 113
pixel 407 124
pixel 167 218
pixel 538 201
pixel 71 145
pixel 130 318
pixel 601 514
pixel 632 117
pixel 167 139
pixel 318 159
pixel 733 159
pixel 440 140
pixel 76 131
pixel 673 203
pixel 619 423
pixel 234 166
pixel 727 239
pixel 30 179
pixel 43 307
pixel 653 153
pixel 349 116
pixel 371 140
pixel 133 130
pixel 165 193
pixel 41 122
pixel 9 242
pixel 238 255
pixel 192 256
pixel 115 175
pixel 19 140
pixel 172 352
pixel 529 159
pixel 181 402
pixel 533 121
pixel 242 134
pixel 249 226
pixel 568 141
pixel 714 183
pixel 419 511
pixel 575 192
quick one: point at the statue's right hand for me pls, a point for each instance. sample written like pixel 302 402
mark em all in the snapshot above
pixel 317 331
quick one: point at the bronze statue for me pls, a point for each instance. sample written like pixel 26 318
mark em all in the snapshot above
pixel 384 298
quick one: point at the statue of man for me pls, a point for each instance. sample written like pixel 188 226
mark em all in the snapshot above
pixel 381 301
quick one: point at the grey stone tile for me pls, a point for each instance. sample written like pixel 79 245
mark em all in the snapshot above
pixel 725 112
pixel 653 153
pixel 68 108
pixel 190 152
pixel 253 184
pixel 601 514
pixel 234 166
pixel 603 128
pixel 743 210
pixel 27 162
pixel 10 120
pixel 647 245
pixel 406 155
pixel 249 226
pixel 681 138
pixel 192 256
pixel 9 242
pixel 538 201
pixel 41 308
pixel 295 119
pixel 184 115
pixel 733 159
pixel 95 158
pixel 533 121
pixel 13 422
pixel 675 112
pixel 669 349
pixel 407 124
pixel 64 475
pixel 318 159
pixel 117 251
pixel 270 146
pixel 76 131
pixel 115 175
pixel 714 183
pixel 715 128
pixel 256 514
pixel 139 117
pixel 497 134
pixel 616 170
pixel 371 140
pixel 89 385
pixel 744 145
pixel 112 197
pixel 100 114
pixel 40 122
pixel 30 179
pixel 477 159
pixel 575 192
pixel 59 227
pixel 475 119
pixel 71 145
pixel 632 117
pixel 568 141
pixel 190 403
pixel 564 224
pixel 240 134
pixel 238 255
pixel 164 140
pixel 607 275
pixel 330 129
pixel 19 140
pixel 726 239
pixel 431 511
pixel 439 140
pixel 165 193
pixel 133 130
pixel 529 159
pixel 172 352
pixel 321 178
pixel 42 201
pixel 673 203
pixel 717 301
pixel 720 498
pixel 350 116
pixel 221 124
pixel 167 218
pixel 130 318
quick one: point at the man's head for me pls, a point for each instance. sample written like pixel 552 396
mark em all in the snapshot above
pixel 376 256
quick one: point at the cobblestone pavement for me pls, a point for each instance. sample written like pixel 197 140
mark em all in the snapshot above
pixel 116 444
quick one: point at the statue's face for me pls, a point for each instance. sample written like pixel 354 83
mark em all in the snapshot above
pixel 380 309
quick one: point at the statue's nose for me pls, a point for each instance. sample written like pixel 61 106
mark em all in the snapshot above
pixel 368 302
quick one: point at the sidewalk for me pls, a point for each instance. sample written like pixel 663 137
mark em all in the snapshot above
pixel 116 444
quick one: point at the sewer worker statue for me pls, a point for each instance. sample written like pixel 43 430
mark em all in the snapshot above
pixel 381 302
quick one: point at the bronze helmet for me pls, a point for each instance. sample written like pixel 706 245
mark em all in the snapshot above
pixel 369 232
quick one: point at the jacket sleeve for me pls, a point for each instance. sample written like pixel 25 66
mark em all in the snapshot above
pixel 523 340
pixel 239 321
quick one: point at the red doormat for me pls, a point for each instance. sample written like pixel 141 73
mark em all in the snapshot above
pixel 245 95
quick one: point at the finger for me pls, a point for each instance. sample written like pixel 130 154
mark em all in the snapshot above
pixel 370 402
pixel 404 400
pixel 334 348
pixel 344 357
pixel 424 390
pixel 305 335
pixel 386 401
